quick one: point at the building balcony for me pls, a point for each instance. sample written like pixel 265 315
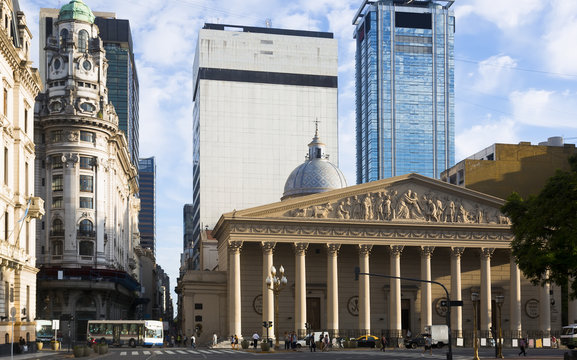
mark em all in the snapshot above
pixel 54 233
pixel 90 275
pixel 36 208
pixel 85 234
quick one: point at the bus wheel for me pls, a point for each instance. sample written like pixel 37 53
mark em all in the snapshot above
pixel 132 343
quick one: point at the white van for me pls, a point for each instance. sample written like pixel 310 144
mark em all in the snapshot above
pixel 317 337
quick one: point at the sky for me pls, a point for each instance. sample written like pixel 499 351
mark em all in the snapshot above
pixel 515 78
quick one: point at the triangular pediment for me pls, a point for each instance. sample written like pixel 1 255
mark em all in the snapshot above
pixel 409 198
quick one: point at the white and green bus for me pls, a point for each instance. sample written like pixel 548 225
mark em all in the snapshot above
pixel 569 336
pixel 125 332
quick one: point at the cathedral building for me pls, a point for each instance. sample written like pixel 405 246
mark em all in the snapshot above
pixel 84 172
pixel 423 240
pixel 19 208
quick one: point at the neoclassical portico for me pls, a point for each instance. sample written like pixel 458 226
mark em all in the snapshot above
pixel 409 226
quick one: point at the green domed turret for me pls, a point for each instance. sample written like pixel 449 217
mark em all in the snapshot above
pixel 76 10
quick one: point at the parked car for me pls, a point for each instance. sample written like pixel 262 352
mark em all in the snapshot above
pixel 419 341
pixel 367 341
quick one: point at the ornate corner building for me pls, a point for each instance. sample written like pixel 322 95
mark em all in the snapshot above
pixel 84 172
pixel 19 209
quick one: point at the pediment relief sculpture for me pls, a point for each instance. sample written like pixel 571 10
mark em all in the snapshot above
pixel 404 204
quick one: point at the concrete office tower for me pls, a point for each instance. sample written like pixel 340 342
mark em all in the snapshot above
pixel 404 88
pixel 19 208
pixel 147 215
pixel 90 230
pixel 257 95
pixel 122 80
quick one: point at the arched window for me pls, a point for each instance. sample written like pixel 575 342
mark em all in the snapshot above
pixel 86 226
pixel 86 248
pixel 57 227
pixel 83 41
pixel 63 38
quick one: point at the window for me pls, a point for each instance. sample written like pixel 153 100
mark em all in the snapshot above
pixel 85 162
pixel 57 136
pixel 86 183
pixel 86 248
pixel 57 182
pixel 58 226
pixel 82 41
pixel 57 202
pixel 26 120
pixel 5 101
pixel 56 162
pixel 86 135
pixel 63 38
pixel 6 223
pixel 86 228
pixel 57 247
pixel 26 179
pixel 5 166
pixel 198 306
pixel 86 202
pixel 198 318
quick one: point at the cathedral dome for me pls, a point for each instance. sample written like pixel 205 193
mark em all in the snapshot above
pixel 76 10
pixel 316 175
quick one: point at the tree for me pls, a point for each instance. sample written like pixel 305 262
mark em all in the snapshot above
pixel 545 229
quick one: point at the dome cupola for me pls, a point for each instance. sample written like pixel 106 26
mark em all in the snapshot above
pixel 316 175
pixel 76 10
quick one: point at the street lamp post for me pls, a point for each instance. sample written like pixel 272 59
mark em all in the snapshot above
pixel 276 284
pixel 474 299
pixel 499 300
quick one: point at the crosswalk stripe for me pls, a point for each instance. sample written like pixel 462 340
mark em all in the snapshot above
pixel 204 351
pixel 146 352
pixel 181 352
pixel 157 352
pixel 229 351
pixel 169 352
pixel 135 353
pixel 122 353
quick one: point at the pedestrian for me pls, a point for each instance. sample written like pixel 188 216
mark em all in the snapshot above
pixel 178 340
pixel 294 341
pixel 236 342
pixel 193 341
pixel 255 339
pixel 214 339
pixel 522 345
pixel 184 340
pixel 232 341
pixel 287 340
pixel 326 343
pixel 428 344
pixel 312 342
pixel 383 342
pixel 322 341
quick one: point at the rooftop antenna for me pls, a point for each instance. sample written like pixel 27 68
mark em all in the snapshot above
pixel 268 23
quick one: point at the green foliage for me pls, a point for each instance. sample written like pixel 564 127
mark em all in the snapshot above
pixel 545 229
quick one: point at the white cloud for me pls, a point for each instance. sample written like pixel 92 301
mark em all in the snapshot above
pixel 493 73
pixel 505 14
pixel 559 39
pixel 478 137
pixel 545 108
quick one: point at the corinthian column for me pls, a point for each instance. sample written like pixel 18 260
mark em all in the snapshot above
pixel 300 288
pixel 545 308
pixel 456 311
pixel 395 303
pixel 267 295
pixel 234 287
pixel 515 299
pixel 364 290
pixel 333 288
pixel 426 297
pixel 486 290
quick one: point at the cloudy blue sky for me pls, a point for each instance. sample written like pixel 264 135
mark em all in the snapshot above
pixel 515 78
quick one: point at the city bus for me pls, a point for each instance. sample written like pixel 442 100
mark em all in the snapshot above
pixel 44 331
pixel 125 332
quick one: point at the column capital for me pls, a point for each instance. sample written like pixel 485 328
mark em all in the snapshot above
pixel 301 248
pixel 268 247
pixel 487 252
pixel 396 250
pixel 365 249
pixel 427 251
pixel 234 247
pixel 457 251
pixel 333 249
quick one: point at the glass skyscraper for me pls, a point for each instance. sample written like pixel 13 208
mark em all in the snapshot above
pixel 147 215
pixel 404 88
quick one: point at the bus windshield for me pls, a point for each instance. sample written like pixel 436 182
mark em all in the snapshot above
pixel 568 331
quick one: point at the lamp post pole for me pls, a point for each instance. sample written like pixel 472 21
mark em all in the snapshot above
pixel 474 298
pixel 276 284
pixel 499 300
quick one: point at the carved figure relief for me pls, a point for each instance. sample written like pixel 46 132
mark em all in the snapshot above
pixel 404 205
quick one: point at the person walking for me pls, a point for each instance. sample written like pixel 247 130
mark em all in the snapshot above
pixel 522 345
pixel 428 344
pixel 326 343
pixel 193 341
pixel 236 342
pixel 383 343
pixel 214 339
pixel 312 342
pixel 232 341
pixel 255 339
